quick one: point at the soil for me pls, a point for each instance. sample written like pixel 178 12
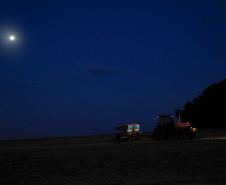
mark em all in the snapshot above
pixel 97 160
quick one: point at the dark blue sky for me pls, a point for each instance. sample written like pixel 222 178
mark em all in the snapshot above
pixel 85 67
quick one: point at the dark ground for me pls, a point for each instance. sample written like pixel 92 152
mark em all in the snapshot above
pixel 96 160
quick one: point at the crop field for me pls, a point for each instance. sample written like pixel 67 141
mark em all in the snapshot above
pixel 95 160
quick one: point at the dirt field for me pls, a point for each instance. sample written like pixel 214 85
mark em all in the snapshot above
pixel 95 160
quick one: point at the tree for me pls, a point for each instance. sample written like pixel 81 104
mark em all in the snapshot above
pixel 208 109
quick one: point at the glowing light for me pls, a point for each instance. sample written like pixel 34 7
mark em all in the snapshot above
pixel 12 37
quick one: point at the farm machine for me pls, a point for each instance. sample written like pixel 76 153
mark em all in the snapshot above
pixel 167 127
pixel 128 132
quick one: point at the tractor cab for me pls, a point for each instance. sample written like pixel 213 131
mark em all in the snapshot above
pixel 165 120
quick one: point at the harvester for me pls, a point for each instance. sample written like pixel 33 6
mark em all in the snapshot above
pixel 128 132
pixel 167 127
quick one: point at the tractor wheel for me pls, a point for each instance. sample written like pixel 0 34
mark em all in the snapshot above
pixel 160 134
pixel 187 134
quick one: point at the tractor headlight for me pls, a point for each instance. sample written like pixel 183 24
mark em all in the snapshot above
pixel 194 129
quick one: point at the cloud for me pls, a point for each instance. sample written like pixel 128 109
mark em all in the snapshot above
pixel 98 70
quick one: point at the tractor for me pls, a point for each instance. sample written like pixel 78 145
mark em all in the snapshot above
pixel 128 132
pixel 167 127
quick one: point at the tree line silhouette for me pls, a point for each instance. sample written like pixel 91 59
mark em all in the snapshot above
pixel 208 110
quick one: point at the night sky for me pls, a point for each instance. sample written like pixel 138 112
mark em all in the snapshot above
pixel 84 67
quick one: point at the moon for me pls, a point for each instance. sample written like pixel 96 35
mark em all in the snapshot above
pixel 12 37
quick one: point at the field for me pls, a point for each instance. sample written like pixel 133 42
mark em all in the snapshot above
pixel 95 160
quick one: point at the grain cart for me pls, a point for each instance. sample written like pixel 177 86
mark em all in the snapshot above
pixel 128 132
pixel 167 128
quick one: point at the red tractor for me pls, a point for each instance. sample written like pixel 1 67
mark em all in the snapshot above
pixel 167 127
pixel 128 132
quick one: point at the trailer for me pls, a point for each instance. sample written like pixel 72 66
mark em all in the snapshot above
pixel 128 132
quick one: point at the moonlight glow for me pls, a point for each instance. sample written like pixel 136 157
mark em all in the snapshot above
pixel 12 37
